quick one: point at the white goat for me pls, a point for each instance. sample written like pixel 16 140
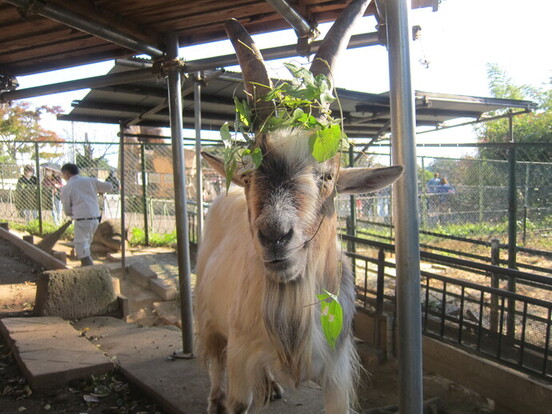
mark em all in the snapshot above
pixel 268 249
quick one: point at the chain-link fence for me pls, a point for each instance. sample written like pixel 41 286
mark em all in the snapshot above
pixel 496 192
pixel 148 185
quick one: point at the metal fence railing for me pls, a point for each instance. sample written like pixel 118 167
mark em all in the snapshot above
pixel 474 310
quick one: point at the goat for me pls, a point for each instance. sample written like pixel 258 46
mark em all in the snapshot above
pixel 269 247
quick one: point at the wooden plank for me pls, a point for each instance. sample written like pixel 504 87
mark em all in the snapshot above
pixel 38 255
pixel 20 43
pixel 40 64
pixel 56 49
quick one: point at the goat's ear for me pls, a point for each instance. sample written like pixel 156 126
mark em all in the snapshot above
pixel 366 180
pixel 218 164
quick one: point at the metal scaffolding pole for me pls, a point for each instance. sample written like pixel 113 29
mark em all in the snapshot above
pixel 174 85
pixel 93 82
pixel 122 195
pixel 298 22
pixel 199 172
pixel 405 208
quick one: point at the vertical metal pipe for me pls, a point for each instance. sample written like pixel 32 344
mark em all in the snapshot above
pixel 480 188
pixel 495 283
pixel 352 202
pixel 144 192
pixel 512 227
pixel 405 203
pixel 174 85
pixel 423 204
pixel 512 199
pixel 199 172
pixel 122 195
pixel 526 203
pixel 38 188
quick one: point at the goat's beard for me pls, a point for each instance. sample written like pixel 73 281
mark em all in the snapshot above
pixel 288 321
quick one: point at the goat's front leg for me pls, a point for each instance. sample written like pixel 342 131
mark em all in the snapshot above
pixel 240 388
pixel 217 396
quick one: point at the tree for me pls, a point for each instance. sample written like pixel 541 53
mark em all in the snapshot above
pixel 534 127
pixel 533 163
pixel 19 125
pixel 88 162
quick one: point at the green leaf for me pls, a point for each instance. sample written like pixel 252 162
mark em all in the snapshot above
pixel 225 135
pixel 325 143
pixel 331 317
pixel 230 168
pixel 257 156
pixel 243 112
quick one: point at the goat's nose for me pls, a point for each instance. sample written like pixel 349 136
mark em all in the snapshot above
pixel 273 237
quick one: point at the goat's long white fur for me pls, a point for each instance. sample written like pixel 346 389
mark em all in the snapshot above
pixel 231 298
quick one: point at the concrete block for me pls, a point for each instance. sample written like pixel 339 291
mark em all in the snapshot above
pixel 29 238
pixel 511 390
pixel 61 256
pixel 75 293
pixel 140 274
pixel 124 306
pixel 163 289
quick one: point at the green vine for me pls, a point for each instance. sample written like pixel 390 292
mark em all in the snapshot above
pixel 302 103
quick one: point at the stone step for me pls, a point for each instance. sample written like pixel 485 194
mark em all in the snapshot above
pixel 50 352
pixel 178 386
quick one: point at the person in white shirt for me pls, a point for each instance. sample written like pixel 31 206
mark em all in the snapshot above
pixel 80 201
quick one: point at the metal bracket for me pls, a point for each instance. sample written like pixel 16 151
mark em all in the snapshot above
pixel 8 83
pixel 304 43
pixel 163 66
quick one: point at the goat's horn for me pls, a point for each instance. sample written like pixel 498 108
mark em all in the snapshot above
pixel 255 76
pixel 337 39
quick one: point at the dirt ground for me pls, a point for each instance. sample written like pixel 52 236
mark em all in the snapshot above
pixel 112 394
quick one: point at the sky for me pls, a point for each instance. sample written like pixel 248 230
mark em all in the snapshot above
pixel 459 41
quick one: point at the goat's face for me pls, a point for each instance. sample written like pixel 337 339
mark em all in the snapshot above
pixel 291 196
pixel 288 197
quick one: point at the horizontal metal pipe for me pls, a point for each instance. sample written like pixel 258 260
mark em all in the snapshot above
pixel 279 52
pixel 165 103
pixel 298 22
pixel 366 39
pixel 87 25
pixel 93 82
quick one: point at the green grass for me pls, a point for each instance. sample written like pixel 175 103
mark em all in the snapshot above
pixel 33 227
pixel 138 238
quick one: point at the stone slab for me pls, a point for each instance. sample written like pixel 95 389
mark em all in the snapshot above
pixel 178 386
pixel 75 293
pixel 163 289
pixel 140 274
pixel 50 352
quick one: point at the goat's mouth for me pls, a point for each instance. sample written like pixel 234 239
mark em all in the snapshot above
pixel 279 264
